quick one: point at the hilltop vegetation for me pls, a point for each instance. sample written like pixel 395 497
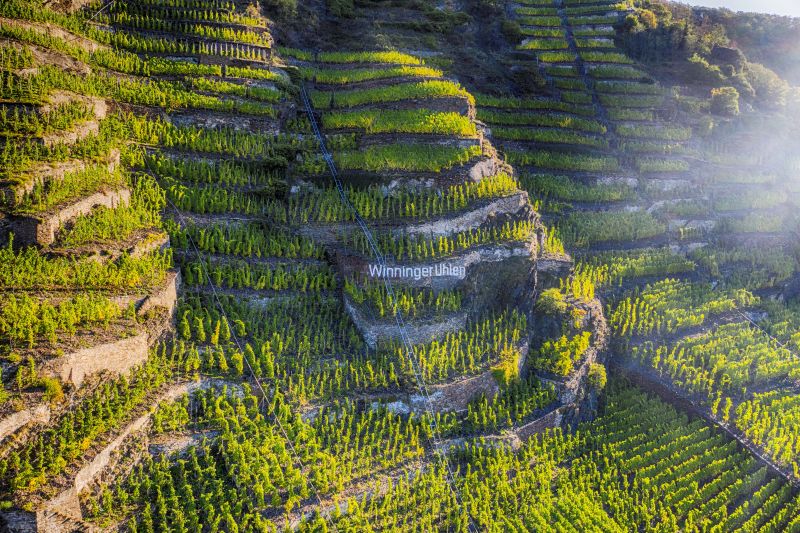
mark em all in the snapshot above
pixel 722 48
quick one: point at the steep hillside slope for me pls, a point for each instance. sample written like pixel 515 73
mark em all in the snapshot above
pixel 684 213
pixel 328 284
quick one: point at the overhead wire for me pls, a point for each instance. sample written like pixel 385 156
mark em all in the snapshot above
pixel 398 315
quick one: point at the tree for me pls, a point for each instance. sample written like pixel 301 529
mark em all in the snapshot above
pixel 341 8
pixel 647 18
pixel 725 101
pixel 283 8
pixel 771 90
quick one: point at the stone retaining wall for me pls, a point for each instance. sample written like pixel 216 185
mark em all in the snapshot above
pixel 508 205
pixel 41 230
pixel 67 503
pixel 551 420
pixel 118 357
pixel 374 331
pixel 45 172
pixel 8 425
pixel 455 396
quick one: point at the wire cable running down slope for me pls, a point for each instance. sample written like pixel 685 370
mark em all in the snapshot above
pixel 398 316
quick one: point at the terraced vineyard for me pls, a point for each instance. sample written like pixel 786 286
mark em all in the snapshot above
pixel 675 222
pixel 346 266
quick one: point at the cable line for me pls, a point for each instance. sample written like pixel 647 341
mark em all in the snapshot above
pixel 271 410
pixel 398 315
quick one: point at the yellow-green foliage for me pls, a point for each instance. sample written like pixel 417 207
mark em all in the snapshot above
pixel 563 161
pixel 611 267
pixel 597 376
pixel 24 319
pixel 410 157
pixel 355 75
pixel 391 93
pixel 506 371
pixel 585 228
pixel 369 57
pixel 553 244
pixel 559 356
pixel 725 101
pixel 401 121
pixel 580 286
pixel 551 302
pixel 411 302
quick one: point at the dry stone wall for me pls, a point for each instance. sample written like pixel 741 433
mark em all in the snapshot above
pixel 377 330
pixel 118 357
pixel 41 229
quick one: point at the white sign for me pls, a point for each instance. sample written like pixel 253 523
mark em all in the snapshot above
pixel 417 273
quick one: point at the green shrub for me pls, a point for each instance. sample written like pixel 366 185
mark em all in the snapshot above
pixel 369 57
pixel 340 76
pixel 576 97
pixel 770 89
pixel 550 135
pixel 557 57
pixel 605 57
pixel 597 376
pixel 551 302
pixel 618 72
pixel 551 120
pixel 664 133
pixel 529 80
pixel 505 102
pixel 53 391
pixel 410 157
pixel 654 164
pixel 506 371
pixel 544 44
pixel 563 161
pixel 564 188
pixel 584 228
pixel 560 355
pixel 725 101
pixel 390 93
pixel 540 21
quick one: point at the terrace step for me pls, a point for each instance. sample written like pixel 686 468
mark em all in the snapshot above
pixel 66 502
pixel 516 206
pixel 220 120
pixel 73 359
pixel 456 395
pixel 375 330
pixel 42 229
pixel 140 243
pixel 45 56
pixel 14 192
pixel 44 521
pixel 56 32
pixel 81 130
